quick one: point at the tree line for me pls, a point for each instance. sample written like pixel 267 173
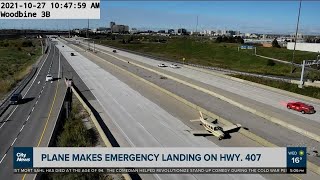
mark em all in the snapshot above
pixel 230 39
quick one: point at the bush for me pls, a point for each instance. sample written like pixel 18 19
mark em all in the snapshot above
pixel 270 62
pixel 27 44
pixel 275 43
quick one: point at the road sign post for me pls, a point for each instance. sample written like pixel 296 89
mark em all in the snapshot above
pixel 309 63
pixel 302 72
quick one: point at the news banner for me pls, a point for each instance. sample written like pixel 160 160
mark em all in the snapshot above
pixel 252 160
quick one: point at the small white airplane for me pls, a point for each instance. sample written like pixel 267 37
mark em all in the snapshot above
pixel 213 129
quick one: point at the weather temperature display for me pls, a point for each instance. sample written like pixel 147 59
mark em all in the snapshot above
pixel 30 9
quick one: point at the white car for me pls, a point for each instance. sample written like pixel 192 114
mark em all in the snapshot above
pixel 162 65
pixel 49 78
pixel 174 66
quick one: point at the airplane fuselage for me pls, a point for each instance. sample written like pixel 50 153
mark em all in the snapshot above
pixel 212 128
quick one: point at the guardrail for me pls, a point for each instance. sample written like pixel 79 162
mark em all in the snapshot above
pixel 21 85
pixel 286 79
pixel 4 105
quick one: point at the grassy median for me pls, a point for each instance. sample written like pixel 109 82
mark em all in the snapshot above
pixel 16 59
pixel 209 53
pixel 307 91
pixel 75 134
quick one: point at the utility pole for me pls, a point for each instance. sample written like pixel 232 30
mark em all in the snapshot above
pixel 88 29
pixel 69 28
pixel 302 73
pixel 295 38
pixel 197 25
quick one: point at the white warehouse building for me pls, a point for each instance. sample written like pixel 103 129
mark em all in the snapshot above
pixel 310 47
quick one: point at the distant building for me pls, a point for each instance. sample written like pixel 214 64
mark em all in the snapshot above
pixel 171 31
pixel 299 36
pixel 247 34
pixel 112 24
pixel 182 31
pixel 229 33
pixel 194 33
pixel 161 31
pixel 134 31
pixel 254 36
pixel 264 36
pixel 119 28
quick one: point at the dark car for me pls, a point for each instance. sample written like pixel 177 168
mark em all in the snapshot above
pixel 114 51
pixel 72 54
pixel 301 107
pixel 15 98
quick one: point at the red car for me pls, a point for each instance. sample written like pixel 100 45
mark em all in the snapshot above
pixel 301 107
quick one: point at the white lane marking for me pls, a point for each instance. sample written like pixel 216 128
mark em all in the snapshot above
pixel 3 158
pixel 28 118
pixel 22 128
pixel 51 82
pixel 37 102
pixel 59 66
pixel 13 141
pixel 28 88
pixel 9 116
pixel 23 97
pixel 39 96
pixel 38 82
pixel 32 109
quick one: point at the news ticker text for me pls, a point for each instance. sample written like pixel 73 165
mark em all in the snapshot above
pixel 167 170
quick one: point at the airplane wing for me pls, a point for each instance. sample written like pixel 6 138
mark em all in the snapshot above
pixel 195 120
pixel 230 128
pixel 200 132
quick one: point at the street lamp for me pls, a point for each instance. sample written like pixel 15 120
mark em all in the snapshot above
pixel 295 38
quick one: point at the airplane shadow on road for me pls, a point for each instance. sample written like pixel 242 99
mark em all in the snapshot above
pixel 55 79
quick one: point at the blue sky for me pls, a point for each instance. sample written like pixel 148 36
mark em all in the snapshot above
pixel 246 16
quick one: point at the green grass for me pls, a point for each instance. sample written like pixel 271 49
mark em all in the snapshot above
pixel 286 55
pixel 307 91
pixel 75 134
pixel 16 59
pixel 209 53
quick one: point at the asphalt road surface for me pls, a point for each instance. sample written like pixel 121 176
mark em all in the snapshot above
pixel 31 122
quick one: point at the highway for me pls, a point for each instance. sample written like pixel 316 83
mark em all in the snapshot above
pixel 143 116
pixel 258 125
pixel 262 100
pixel 31 122
pixel 260 95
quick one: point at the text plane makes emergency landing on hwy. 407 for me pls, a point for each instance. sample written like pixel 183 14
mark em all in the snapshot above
pixel 213 128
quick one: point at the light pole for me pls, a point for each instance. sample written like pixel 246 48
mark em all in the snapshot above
pixel 295 38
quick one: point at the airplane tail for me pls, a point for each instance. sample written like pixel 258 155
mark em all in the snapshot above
pixel 201 116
